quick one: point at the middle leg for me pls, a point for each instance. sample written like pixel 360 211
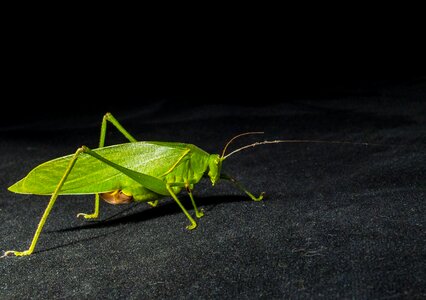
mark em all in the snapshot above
pixel 198 213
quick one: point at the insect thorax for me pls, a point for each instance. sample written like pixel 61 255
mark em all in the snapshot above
pixel 215 166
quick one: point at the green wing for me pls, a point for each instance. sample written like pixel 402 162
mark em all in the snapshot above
pixel 90 175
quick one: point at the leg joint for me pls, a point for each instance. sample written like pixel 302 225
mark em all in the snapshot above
pixel 107 116
pixel 83 149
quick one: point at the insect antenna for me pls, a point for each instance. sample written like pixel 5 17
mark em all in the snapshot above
pixel 289 141
pixel 235 137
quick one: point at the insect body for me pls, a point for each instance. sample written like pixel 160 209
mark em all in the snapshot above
pixel 135 171
pixel 176 164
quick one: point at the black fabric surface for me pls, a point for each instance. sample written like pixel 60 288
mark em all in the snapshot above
pixel 338 221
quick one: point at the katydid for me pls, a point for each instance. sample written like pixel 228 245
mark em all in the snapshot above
pixel 144 171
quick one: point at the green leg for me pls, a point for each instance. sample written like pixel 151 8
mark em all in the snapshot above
pixel 238 185
pixel 48 209
pixel 198 213
pixel 152 183
pixel 95 214
pixel 107 117
pixel 193 223
pixel 153 203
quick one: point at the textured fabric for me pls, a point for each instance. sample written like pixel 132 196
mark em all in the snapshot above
pixel 339 221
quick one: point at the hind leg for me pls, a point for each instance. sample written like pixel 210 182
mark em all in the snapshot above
pixel 108 117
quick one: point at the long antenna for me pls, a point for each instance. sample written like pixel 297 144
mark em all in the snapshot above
pixel 292 141
pixel 237 136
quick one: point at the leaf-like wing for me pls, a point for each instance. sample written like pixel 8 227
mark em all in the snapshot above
pixel 90 175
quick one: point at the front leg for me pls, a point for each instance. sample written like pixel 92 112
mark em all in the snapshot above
pixel 238 185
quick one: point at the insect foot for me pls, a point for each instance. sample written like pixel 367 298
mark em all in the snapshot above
pixel 87 216
pixel 153 203
pixel 16 253
pixel 192 226
pixel 199 213
pixel 258 198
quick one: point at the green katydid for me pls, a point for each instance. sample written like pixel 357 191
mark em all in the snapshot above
pixel 135 171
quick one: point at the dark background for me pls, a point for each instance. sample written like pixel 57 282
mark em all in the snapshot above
pixel 53 98
pixel 337 222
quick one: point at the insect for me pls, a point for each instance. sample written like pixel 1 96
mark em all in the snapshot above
pixel 135 171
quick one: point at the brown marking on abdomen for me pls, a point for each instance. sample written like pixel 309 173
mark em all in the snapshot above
pixel 116 197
